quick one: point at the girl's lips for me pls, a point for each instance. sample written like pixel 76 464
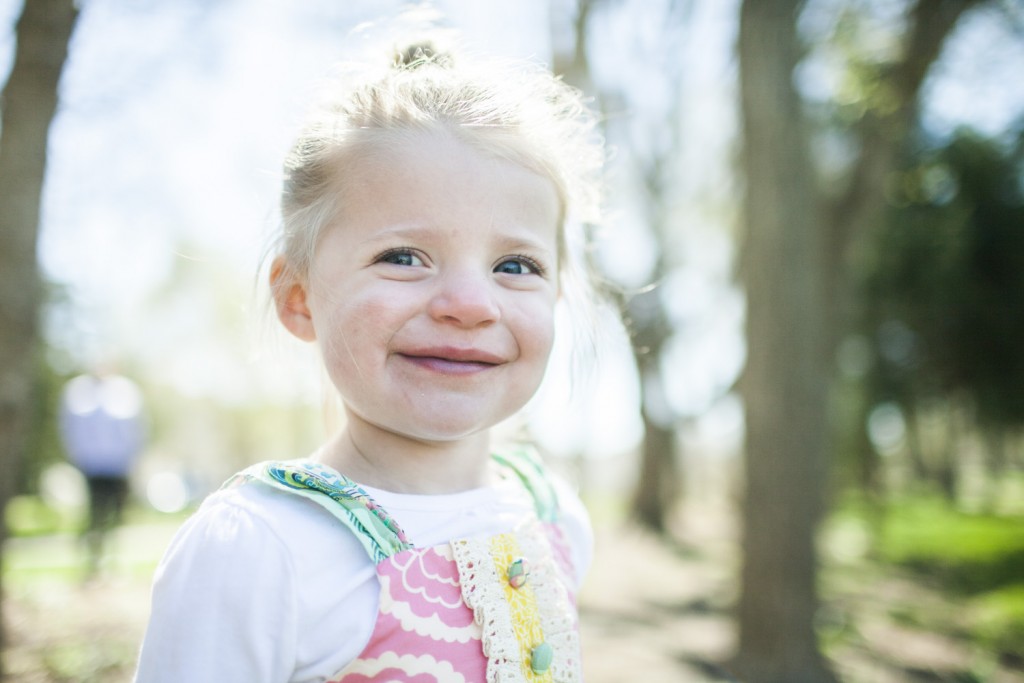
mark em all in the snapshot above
pixel 451 360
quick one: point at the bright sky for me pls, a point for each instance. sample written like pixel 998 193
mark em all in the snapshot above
pixel 175 118
pixel 176 115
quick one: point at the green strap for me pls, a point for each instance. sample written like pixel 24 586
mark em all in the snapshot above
pixel 526 464
pixel 376 530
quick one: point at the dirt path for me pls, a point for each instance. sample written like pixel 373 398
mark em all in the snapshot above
pixel 655 614
pixel 650 614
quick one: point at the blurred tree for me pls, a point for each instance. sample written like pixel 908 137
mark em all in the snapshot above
pixel 43 447
pixel 800 241
pixel 660 481
pixel 944 294
pixel 28 104
pixel 785 381
pixel 873 113
pixel 661 476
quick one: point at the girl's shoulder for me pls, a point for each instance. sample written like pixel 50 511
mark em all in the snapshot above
pixel 250 567
pixel 554 497
pixel 539 482
pixel 242 520
pixel 379 519
pixel 343 499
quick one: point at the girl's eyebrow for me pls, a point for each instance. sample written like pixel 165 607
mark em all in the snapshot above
pixel 513 240
pixel 402 231
pixel 525 242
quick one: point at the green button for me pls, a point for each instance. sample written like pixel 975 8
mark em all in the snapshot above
pixel 541 657
pixel 518 573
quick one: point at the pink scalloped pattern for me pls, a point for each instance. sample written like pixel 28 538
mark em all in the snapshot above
pixel 426 633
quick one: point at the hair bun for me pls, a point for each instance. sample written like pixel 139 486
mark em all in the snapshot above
pixel 420 54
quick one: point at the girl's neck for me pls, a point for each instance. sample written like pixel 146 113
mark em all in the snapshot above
pixel 392 462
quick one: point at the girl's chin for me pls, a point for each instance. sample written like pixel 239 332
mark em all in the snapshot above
pixel 438 417
pixel 441 431
pixel 442 434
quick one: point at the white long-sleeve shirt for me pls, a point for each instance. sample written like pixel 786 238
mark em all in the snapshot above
pixel 266 587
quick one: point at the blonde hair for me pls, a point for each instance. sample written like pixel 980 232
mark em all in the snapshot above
pixel 515 110
pixel 519 112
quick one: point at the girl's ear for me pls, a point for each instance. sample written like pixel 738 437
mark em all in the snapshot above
pixel 290 300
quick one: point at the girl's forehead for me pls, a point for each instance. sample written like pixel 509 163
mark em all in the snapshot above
pixel 436 144
pixel 430 155
pixel 433 186
pixel 399 148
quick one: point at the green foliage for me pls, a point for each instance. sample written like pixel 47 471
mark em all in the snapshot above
pixel 999 616
pixel 31 516
pixel 945 282
pixel 975 558
pixel 88 661
pixel 43 445
pixel 970 553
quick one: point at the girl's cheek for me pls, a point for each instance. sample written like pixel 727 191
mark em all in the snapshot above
pixel 538 326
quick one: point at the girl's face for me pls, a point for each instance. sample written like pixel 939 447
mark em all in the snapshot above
pixel 433 296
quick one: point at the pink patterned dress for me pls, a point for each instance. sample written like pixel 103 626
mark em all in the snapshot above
pixel 497 609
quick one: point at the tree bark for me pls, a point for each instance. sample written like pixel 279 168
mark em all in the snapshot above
pixel 660 483
pixel 797 271
pixel 660 478
pixel 785 383
pixel 657 489
pixel 28 105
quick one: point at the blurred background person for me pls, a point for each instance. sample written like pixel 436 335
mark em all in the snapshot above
pixel 102 432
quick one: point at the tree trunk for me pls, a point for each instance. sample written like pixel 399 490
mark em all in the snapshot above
pixel 660 482
pixel 919 467
pixel 785 383
pixel 660 479
pixel 657 489
pixel 799 288
pixel 28 105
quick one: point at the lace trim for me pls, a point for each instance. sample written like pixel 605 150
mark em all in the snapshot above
pixel 522 605
pixel 543 607
pixel 484 593
pixel 555 610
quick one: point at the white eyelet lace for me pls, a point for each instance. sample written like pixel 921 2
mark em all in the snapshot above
pixel 483 590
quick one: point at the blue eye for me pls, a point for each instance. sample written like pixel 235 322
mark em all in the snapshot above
pixel 400 257
pixel 519 265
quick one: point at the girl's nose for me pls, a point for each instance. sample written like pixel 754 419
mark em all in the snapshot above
pixel 465 299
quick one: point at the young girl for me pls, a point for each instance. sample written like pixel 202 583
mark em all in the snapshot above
pixel 424 249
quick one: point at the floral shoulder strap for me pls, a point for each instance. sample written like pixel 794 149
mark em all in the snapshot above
pixel 376 530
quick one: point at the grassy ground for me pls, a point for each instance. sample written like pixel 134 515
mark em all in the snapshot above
pixel 650 612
